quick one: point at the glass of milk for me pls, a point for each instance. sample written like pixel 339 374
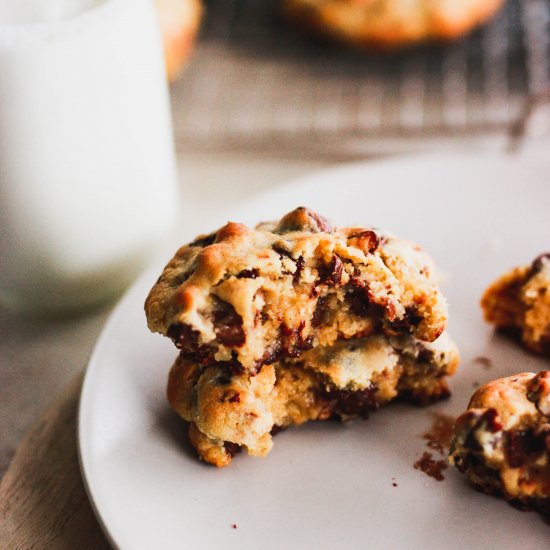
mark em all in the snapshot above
pixel 87 170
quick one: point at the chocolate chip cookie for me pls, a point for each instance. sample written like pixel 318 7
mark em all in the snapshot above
pixel 519 303
pixel 341 319
pixel 389 24
pixel 502 442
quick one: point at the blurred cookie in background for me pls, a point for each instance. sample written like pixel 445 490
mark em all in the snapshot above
pixel 179 23
pixel 389 24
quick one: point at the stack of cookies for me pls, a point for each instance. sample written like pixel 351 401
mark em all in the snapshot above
pixel 297 320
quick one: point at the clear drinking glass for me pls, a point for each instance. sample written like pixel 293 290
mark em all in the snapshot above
pixel 87 170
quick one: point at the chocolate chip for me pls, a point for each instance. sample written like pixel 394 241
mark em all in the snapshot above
pixel 319 315
pixel 228 324
pixel 282 252
pixel 331 274
pixel 538 263
pixel 410 319
pixel 520 444
pixel 293 343
pixel 230 396
pixel 538 392
pixel 277 429
pixel 352 403
pixel 303 219
pixel 473 421
pixel 204 240
pixel 300 263
pixel 182 334
pixel 224 377
pixel 231 448
pixel 368 240
pixel 186 339
pixel 248 274
pixel 358 297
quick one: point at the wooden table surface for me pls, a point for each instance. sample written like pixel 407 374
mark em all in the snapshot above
pixel 43 502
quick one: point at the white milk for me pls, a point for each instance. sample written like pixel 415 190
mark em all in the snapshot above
pixel 87 172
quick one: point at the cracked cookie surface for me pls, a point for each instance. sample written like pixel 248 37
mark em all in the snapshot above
pixel 519 303
pixel 248 297
pixel 502 442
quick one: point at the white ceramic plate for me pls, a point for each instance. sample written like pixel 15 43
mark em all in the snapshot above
pixel 326 485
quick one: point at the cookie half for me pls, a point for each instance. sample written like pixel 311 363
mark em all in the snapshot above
pixel 519 303
pixel 245 298
pixel 231 412
pixel 502 442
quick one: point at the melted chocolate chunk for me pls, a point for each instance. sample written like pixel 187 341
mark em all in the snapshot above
pixel 271 354
pixel 204 240
pixel 543 433
pixel 231 448
pixel 410 319
pixel 360 300
pixel 186 339
pixel 277 429
pixel 331 275
pixel 358 297
pixel 293 343
pixel 224 377
pixel 248 274
pixel 320 313
pixel 303 219
pixel 228 325
pixel 282 252
pixel 520 444
pixel 488 420
pixel 182 335
pixel 230 396
pixel 537 391
pixel 369 240
pixel 538 263
pixel 300 264
pixel 352 403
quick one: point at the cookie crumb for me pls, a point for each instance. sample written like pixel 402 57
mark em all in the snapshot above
pixel 430 466
pixel 441 433
pixel 485 362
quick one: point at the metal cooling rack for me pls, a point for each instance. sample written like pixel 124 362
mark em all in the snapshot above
pixel 255 79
